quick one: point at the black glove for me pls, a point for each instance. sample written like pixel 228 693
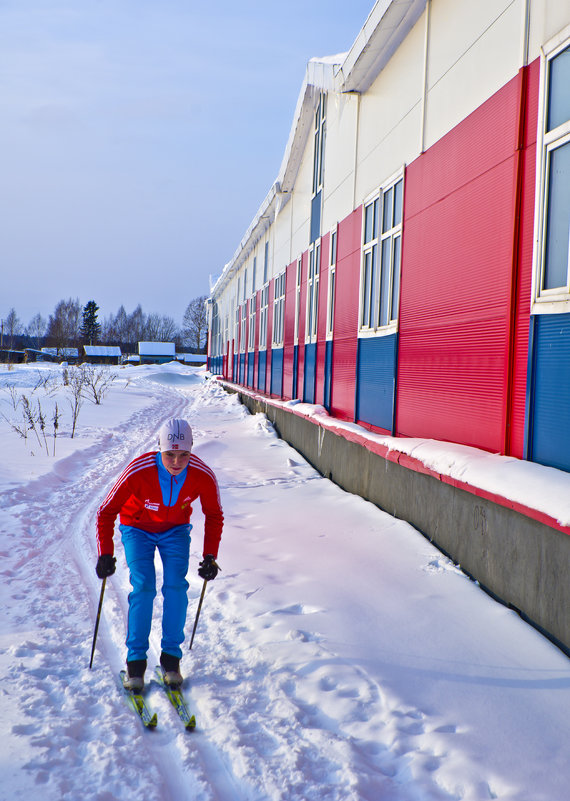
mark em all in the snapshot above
pixel 208 569
pixel 105 565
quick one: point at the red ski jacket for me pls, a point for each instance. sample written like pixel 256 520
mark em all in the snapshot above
pixel 137 498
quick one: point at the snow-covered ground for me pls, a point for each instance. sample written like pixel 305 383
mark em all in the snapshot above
pixel 339 656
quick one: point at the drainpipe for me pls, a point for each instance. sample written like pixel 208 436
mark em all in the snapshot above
pixel 425 79
pixel 516 230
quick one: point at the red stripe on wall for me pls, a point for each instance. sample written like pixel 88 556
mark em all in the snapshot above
pixel 302 322
pixel 322 320
pixel 345 348
pixel 456 289
pixel 289 330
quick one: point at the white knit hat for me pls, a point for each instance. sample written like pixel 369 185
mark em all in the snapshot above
pixel 175 435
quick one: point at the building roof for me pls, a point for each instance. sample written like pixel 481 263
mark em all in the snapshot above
pixel 65 352
pixel 387 25
pixel 102 350
pixel 157 349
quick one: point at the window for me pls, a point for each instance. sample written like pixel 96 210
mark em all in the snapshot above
pixel 263 309
pixel 243 326
pixel 279 309
pixel 332 285
pixel 298 298
pixel 266 263
pixel 381 252
pixel 313 292
pixel 254 270
pixel 319 136
pixel 251 334
pixel 553 256
pixel 236 329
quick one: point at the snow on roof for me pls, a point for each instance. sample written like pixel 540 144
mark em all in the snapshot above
pixel 157 349
pixel 387 25
pixel 70 352
pixel 102 350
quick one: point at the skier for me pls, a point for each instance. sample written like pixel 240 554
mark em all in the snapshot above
pixel 153 498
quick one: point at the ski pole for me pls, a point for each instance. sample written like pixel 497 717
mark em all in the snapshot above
pixel 97 621
pixel 198 613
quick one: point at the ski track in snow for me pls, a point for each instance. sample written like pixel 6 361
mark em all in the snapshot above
pixel 274 723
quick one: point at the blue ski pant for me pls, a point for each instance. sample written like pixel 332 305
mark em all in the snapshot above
pixel 174 549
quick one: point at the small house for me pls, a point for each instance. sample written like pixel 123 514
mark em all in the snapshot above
pixel 102 354
pixel 156 352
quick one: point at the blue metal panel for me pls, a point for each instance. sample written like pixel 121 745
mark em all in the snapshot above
pixel 295 371
pixel 376 381
pixel 549 406
pixel 250 369
pixel 328 374
pixel 277 371
pixel 235 370
pixel 241 379
pixel 261 368
pixel 310 373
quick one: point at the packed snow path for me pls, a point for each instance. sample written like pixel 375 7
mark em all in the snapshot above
pixel 339 656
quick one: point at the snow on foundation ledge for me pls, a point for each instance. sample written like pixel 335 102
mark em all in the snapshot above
pixel 539 492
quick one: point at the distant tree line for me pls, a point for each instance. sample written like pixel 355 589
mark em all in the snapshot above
pixel 72 325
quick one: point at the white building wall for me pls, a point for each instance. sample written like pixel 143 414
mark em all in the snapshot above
pixel 300 228
pixel 547 19
pixel 474 49
pixel 281 239
pixel 391 116
pixel 342 125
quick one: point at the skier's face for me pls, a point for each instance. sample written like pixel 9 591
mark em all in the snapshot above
pixel 175 461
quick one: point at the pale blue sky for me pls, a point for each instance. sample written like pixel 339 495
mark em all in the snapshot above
pixel 139 137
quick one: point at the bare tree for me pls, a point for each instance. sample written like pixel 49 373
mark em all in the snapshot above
pixel 36 329
pixel 64 324
pixel 160 329
pixel 195 324
pixel 136 325
pixel 12 327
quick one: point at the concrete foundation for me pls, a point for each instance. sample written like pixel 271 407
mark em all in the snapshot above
pixel 519 560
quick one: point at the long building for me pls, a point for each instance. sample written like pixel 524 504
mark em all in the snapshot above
pixel 408 269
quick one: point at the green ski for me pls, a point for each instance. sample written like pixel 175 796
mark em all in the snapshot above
pixel 176 698
pixel 138 703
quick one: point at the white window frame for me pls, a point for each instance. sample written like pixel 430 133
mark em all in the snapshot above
pixel 279 309
pixel 251 324
pixel 319 141
pixel 243 327
pixel 236 328
pixel 266 262
pixel 331 289
pixel 263 312
pixel 557 299
pixel 372 254
pixel 298 280
pixel 313 278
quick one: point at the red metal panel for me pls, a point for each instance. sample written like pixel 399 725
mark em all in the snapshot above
pixel 525 254
pixel 302 322
pixel 457 261
pixel 346 316
pixel 269 336
pixel 289 330
pixel 322 320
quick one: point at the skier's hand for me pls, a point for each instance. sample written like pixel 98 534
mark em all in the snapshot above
pixel 208 569
pixel 105 565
